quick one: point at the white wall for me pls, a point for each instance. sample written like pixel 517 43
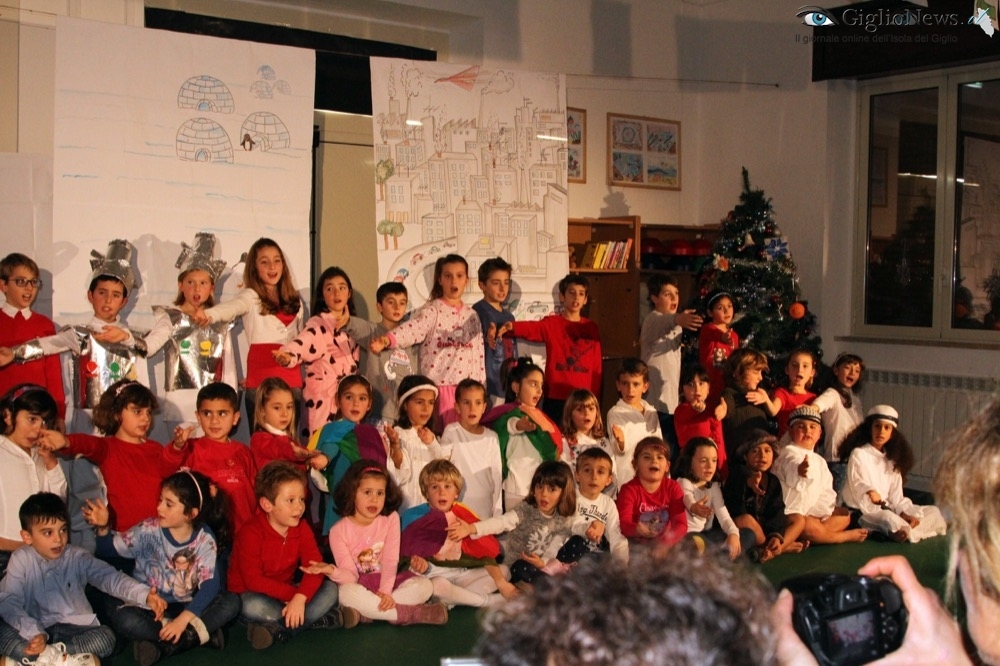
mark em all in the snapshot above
pixel 642 57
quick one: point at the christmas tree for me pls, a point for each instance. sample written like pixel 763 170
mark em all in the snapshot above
pixel 751 261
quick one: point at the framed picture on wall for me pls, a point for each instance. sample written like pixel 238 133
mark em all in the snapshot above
pixel 576 137
pixel 644 152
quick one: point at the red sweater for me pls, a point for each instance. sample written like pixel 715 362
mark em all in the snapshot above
pixel 45 372
pixel 132 472
pixel 714 348
pixel 266 446
pixel 265 562
pixel 662 510
pixel 572 353
pixel 689 423
pixel 231 467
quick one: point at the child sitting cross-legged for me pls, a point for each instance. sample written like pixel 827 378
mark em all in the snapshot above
pixel 267 554
pixel 463 572
pixel 539 528
pixel 41 627
pixel 651 505
pixel 594 474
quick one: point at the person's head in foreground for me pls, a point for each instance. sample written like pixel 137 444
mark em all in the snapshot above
pixel 665 607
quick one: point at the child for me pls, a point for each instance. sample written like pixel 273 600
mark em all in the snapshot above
pixel 632 418
pixel 267 554
pixel 41 626
pixel 717 341
pixel 419 445
pixel 800 370
pixel 272 315
pixel 325 348
pixel 464 572
pixel 193 356
pixel 878 460
pixel 448 332
pixel 807 486
pixel 748 407
pixel 651 505
pixel 697 472
pixel 132 466
pixel 104 348
pixel 753 497
pixel 386 369
pixel 347 440
pixel 840 407
pixel 20 285
pixel 475 451
pixel 228 464
pixel 175 553
pixel 593 476
pixel 527 436
pixel 366 548
pixel 273 435
pixel 25 467
pixel 494 280
pixel 582 427
pixel 572 346
pixel 692 418
pixel 539 528
pixel 660 347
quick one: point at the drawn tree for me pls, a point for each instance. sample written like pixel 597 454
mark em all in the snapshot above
pixel 383 172
pixel 386 228
pixel 396 230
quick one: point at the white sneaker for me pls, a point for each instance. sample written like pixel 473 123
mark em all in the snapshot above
pixel 55 654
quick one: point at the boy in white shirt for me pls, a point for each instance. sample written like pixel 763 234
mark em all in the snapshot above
pixel 593 475
pixel 475 451
pixel 636 419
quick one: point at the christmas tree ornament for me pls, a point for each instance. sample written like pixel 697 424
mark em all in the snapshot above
pixel 797 310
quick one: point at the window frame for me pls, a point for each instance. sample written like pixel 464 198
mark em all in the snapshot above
pixel 947 84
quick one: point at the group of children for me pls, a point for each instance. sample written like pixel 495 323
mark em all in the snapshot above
pixel 424 439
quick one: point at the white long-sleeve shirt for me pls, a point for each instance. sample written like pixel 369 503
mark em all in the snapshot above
pixel 693 494
pixel 811 495
pixel 260 328
pixel 23 475
pixel 660 348
pixel 416 455
pixel 838 421
pixel 477 457
pixel 635 425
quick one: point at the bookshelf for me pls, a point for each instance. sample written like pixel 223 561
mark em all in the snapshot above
pixel 683 268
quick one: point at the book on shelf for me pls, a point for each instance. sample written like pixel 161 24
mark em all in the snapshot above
pixel 599 254
pixel 588 256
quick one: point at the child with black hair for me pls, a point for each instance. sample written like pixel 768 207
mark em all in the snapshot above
pixel 494 281
pixel 387 368
pixel 754 499
pixel 40 627
pixel 717 341
pixel 131 465
pixel 841 411
pixel 25 467
pixel 539 529
pixel 191 520
pixel 697 473
pixel 878 459
pixel 414 435
pixel 594 475
pixel 527 436
pixel 651 505
pixel 230 465
pixel 632 418
pixel 365 545
pixel 324 347
pixel 693 418
pixel 800 372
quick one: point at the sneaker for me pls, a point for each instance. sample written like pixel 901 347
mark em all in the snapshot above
pixel 145 653
pixel 218 640
pixel 332 619
pixel 260 636
pixel 55 654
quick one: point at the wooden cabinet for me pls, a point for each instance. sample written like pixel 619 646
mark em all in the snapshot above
pixel 698 242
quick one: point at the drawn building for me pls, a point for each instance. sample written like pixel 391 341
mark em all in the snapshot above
pixel 205 93
pixel 203 140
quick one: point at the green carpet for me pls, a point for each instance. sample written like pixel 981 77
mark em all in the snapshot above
pixel 379 643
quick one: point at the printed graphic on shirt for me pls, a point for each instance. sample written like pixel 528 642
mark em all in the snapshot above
pixel 370 560
pixel 656 518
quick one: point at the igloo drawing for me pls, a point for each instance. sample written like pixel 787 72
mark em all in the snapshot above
pixel 265 72
pixel 282 87
pixel 205 93
pixel 261 90
pixel 203 140
pixel 266 130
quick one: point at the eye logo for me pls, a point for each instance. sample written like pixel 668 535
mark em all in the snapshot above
pixel 816 17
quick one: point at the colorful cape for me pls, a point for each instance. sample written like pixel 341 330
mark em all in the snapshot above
pixel 344 442
pixel 425 531
pixel 546 439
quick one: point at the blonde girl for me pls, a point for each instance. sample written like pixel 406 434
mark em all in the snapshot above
pixel 131 465
pixel 544 533
pixel 272 315
pixel 800 371
pixel 698 476
pixel 273 427
pixel 324 347
pixel 449 334
pixel 417 397
pixel 583 428
pixel 365 545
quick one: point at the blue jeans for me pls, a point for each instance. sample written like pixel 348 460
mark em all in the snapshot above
pixel 139 624
pixel 263 609
pixel 78 638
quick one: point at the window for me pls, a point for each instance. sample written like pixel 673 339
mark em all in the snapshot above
pixel 928 234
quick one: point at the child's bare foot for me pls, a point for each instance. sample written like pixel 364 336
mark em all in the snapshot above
pixel 795 547
pixel 857 535
pixel 765 555
pixel 900 535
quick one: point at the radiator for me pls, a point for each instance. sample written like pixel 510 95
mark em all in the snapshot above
pixel 928 406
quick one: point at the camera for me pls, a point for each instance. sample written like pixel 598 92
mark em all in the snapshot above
pixel 847 620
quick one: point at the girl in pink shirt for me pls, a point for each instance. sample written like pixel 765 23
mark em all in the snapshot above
pixel 365 546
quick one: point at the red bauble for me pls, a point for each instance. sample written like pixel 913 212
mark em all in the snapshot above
pixel 796 310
